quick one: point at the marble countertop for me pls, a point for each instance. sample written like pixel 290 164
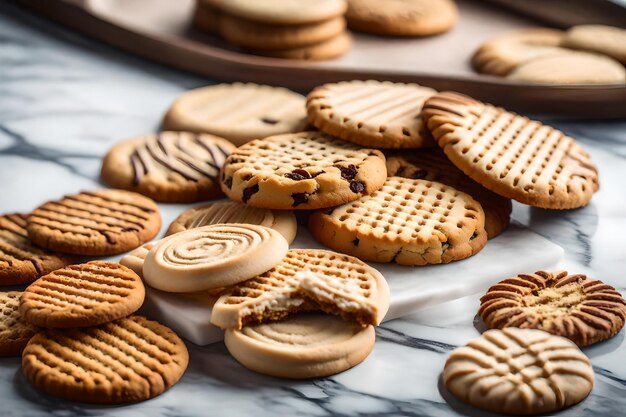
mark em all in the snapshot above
pixel 65 100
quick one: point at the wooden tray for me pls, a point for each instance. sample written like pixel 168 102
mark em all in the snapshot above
pixel 159 30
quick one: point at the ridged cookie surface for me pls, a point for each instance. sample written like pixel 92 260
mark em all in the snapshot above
pixel 14 332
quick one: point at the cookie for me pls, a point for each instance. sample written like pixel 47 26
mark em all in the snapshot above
pixel 581 309
pixel 501 55
pixel 433 165
pixel 519 371
pixel 371 113
pixel 82 295
pixel 606 40
pixel 206 18
pixel 409 222
pixel 573 68
pixel 283 221
pixel 213 256
pixel 511 155
pixel 301 171
pixel 14 332
pixel 276 294
pixel 128 360
pixel 402 17
pixel 301 346
pixel 172 167
pixel 238 112
pixel 103 222
pixel 329 49
pixel 22 262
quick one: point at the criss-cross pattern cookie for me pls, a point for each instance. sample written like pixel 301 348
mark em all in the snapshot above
pixel 433 165
pixel 409 222
pixel 519 371
pixel 14 332
pixel 20 260
pixel 304 170
pixel 128 360
pixel 511 155
pixel 371 113
pixel 82 295
pixel 581 309
pixel 174 167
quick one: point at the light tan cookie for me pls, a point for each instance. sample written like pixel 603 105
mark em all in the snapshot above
pixel 103 222
pixel 573 68
pixel 128 360
pixel 433 165
pixel 173 167
pixel 22 262
pixel 304 170
pixel 213 256
pixel 14 332
pixel 301 346
pixel 238 112
pixel 371 113
pixel 82 295
pixel 279 293
pixel 581 309
pixel 283 221
pixel 501 55
pixel 205 17
pixel 606 40
pixel 511 155
pixel 519 371
pixel 328 49
pixel 409 222
pixel 402 17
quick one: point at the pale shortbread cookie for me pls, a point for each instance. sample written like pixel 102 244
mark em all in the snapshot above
pixel 328 49
pixel 607 40
pixel 14 332
pixel 511 155
pixel 283 221
pixel 213 256
pixel 238 112
pixel 278 293
pixel 301 346
pixel 409 222
pixel 519 371
pixel 371 113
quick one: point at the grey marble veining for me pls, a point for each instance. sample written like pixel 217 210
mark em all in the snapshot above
pixel 64 100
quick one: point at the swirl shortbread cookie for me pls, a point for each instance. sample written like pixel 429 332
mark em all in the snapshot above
pixel 14 332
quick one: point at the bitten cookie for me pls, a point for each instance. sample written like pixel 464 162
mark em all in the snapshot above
pixel 606 40
pixel 409 222
pixel 103 222
pixel 128 360
pixel 22 262
pixel 371 113
pixel 173 167
pixel 14 332
pixel 283 221
pixel 304 170
pixel 581 309
pixel 519 371
pixel 238 112
pixel 301 346
pixel 82 295
pixel 328 49
pixel 511 155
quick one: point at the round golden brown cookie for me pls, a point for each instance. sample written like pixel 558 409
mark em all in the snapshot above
pixel 283 221
pixel 584 310
pixel 519 371
pixel 238 112
pixel 206 18
pixel 305 170
pixel 501 55
pixel 606 40
pixel 330 48
pixel 511 155
pixel 14 333
pixel 402 17
pixel 173 167
pixel 128 360
pixel 371 113
pixel 433 165
pixel 22 262
pixel 409 222
pixel 103 222
pixel 301 346
pixel 82 295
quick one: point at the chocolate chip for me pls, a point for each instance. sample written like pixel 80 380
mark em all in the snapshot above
pixel 419 174
pixel 348 173
pixel 356 241
pixel 299 198
pixel 357 186
pixel 298 175
pixel 247 192
pixel 270 120
pixel 228 182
